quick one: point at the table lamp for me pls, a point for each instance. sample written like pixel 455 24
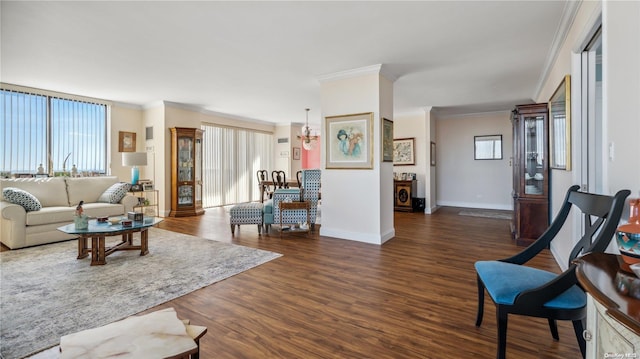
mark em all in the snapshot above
pixel 134 159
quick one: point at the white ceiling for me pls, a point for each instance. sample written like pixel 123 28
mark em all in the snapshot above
pixel 262 60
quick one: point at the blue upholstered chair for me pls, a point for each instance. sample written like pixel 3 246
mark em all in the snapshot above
pixel 523 290
pixel 310 192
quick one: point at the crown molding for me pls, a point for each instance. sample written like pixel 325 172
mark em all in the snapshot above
pixel 465 115
pixel 568 15
pixel 130 106
pixel 378 69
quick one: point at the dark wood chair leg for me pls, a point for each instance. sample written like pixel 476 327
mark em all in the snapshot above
pixel 553 326
pixel 578 328
pixel 501 317
pixel 480 303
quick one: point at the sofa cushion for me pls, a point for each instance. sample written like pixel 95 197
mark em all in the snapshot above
pixel 88 189
pixel 47 215
pixel 21 197
pixel 50 191
pixel 115 193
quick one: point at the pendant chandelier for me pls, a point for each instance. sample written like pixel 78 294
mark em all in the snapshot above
pixel 309 141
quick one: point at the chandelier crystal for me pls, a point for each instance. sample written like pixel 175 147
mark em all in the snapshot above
pixel 309 141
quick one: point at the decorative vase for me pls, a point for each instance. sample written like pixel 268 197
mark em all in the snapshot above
pixel 81 222
pixel 628 236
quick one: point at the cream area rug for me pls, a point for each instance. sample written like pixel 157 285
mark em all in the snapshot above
pixel 46 293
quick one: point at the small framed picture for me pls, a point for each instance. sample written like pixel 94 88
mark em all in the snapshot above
pixel 147 187
pixel 296 153
pixel 433 153
pixel 387 140
pixel 126 141
pixel 403 151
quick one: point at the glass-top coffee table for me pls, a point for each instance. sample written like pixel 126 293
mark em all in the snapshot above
pixel 97 231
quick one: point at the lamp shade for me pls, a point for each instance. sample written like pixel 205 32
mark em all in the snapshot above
pixel 134 158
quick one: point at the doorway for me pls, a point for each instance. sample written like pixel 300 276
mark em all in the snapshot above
pixel 592 129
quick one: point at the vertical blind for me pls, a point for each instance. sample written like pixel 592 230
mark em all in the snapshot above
pixel 231 157
pixel 37 129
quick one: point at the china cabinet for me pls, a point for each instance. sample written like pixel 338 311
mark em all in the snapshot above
pixel 530 173
pixel 186 172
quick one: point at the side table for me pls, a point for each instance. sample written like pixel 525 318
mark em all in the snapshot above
pixel 296 205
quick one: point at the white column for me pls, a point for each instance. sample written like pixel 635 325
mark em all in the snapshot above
pixel 357 204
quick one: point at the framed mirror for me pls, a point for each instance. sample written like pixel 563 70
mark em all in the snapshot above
pixel 487 147
pixel 560 126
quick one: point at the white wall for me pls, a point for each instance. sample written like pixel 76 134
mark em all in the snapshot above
pixel 621 79
pixel 431 200
pixel 414 126
pixel 463 181
pixel 128 120
pixel 283 150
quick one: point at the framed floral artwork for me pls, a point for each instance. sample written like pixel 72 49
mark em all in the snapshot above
pixel 404 151
pixel 349 141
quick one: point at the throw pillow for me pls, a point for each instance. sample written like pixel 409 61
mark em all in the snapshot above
pixel 22 197
pixel 115 193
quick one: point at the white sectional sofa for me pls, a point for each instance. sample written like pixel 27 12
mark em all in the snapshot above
pixel 59 197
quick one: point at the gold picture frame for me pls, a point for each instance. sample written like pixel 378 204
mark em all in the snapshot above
pixel 387 140
pixel 349 141
pixel 560 126
pixel 404 153
pixel 126 141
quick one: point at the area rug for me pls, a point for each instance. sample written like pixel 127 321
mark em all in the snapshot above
pixel 487 213
pixel 46 293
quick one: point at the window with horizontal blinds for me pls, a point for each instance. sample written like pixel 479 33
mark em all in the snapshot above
pixel 54 132
pixel 230 160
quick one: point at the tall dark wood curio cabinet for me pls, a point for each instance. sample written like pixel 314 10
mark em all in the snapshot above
pixel 530 173
pixel 186 172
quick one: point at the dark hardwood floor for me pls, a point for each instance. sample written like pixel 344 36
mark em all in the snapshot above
pixel 413 297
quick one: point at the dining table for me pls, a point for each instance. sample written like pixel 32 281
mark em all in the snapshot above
pixel 263 185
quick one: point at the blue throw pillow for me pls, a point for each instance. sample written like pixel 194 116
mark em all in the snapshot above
pixel 22 197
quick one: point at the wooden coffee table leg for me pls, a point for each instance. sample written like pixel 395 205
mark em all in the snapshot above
pixel 83 250
pixel 144 242
pixel 97 251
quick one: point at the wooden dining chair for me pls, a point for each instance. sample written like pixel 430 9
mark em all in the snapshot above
pixel 518 289
pixel 299 178
pixel 263 183
pixel 279 179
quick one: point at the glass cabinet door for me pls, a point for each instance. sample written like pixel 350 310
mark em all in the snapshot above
pixel 534 152
pixel 185 195
pixel 185 159
pixel 198 170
